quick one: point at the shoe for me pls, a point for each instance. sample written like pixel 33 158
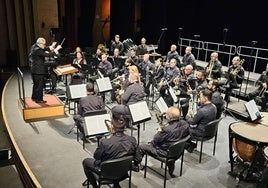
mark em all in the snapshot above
pixel 135 168
pixel 42 101
pixel 171 168
pixel 191 148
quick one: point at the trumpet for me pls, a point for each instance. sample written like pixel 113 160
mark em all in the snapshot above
pixel 211 66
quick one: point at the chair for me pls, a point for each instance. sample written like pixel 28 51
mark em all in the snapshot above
pixel 174 152
pixel 211 131
pixel 114 171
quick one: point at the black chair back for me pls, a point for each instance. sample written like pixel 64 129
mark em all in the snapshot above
pixel 211 129
pixel 116 169
pixel 95 112
pixel 177 148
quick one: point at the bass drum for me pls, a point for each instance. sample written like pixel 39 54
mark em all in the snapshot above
pixel 128 45
pixel 244 150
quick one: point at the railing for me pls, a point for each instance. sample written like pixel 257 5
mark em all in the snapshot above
pixel 258 57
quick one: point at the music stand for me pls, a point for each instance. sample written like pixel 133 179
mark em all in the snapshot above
pixel 139 114
pixel 161 105
pixel 95 125
pixel 104 85
pixel 74 93
pixel 253 110
pixel 173 95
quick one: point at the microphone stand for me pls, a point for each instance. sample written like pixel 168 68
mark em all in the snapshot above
pixel 253 43
pixel 160 37
pixel 225 30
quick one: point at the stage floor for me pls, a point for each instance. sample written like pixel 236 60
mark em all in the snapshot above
pixel 55 157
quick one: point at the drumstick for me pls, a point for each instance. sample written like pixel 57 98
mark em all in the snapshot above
pixel 62 41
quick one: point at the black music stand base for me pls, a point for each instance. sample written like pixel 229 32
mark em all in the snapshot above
pixel 138 129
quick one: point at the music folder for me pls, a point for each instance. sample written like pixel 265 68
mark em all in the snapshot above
pixel 104 84
pixel 95 125
pixel 139 112
pixel 76 91
pixel 253 110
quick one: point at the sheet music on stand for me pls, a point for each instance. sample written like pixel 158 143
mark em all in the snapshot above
pixel 95 125
pixel 104 84
pixel 76 91
pixel 253 110
pixel 161 105
pixel 172 93
pixel 139 112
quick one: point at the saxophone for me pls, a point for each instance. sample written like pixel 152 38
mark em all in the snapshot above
pixel 109 127
pixel 160 122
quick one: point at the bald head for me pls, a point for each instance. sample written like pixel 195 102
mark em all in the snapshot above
pixel 173 113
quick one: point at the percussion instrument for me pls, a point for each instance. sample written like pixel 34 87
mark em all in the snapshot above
pixel 128 45
pixel 244 150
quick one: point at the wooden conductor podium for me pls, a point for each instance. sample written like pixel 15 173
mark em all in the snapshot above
pixel 33 111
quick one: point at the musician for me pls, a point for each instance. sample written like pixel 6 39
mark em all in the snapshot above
pixel 214 67
pixel 201 82
pixel 118 145
pixel 105 66
pixel 172 54
pixel 260 94
pixel 89 103
pixel 117 44
pixel 142 48
pixel 205 114
pixel 234 75
pixel 188 58
pixel 133 93
pixel 78 62
pixel 133 56
pixel 160 70
pixel 174 131
pixel 99 52
pixel 37 56
pixel 168 80
pixel 216 99
pixel 187 87
pixel 147 69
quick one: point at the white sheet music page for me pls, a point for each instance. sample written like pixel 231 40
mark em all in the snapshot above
pixel 162 106
pixel 104 84
pixel 95 125
pixel 253 110
pixel 78 91
pixel 139 112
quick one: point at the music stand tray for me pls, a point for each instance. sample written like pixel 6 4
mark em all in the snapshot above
pixel 95 125
pixel 161 105
pixel 76 91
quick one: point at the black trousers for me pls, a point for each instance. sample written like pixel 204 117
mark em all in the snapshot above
pixel 38 86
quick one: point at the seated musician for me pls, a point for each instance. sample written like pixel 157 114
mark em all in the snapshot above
pixel 260 94
pixel 105 66
pixel 174 131
pixel 234 75
pixel 188 58
pixel 77 63
pixel 205 114
pixel 142 48
pixel 187 88
pixel 116 146
pixel 101 49
pixel 91 102
pixel 134 56
pixel 132 94
pixel 117 44
pixel 168 80
pixel 160 71
pixel 214 67
pixel 146 68
pixel 216 99
pixel 172 54
pixel 201 82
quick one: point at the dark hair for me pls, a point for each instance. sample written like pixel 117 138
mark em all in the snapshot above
pixel 118 122
pixel 207 93
pixel 90 87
